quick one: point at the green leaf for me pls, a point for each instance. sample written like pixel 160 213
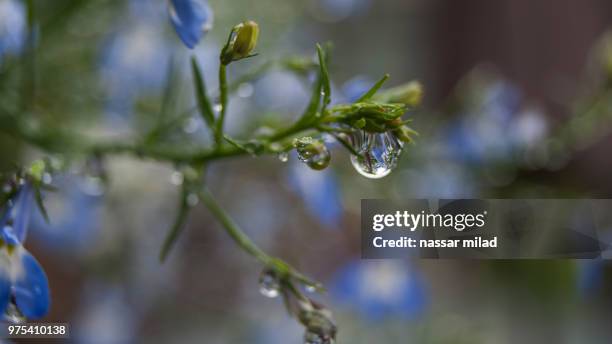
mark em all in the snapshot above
pixel 177 226
pixel 313 104
pixel 204 104
pixel 324 75
pixel 372 91
pixel 41 205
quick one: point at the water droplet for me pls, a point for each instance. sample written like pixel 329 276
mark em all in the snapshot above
pixel 311 337
pixel 269 285
pixel 312 152
pixel 13 315
pixel 217 108
pixel 192 199
pixel 283 156
pixel 47 178
pixel 176 178
pixel 310 288
pixel 245 90
pixel 191 125
pixel 378 153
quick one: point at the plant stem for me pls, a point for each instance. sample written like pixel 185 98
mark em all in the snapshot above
pixel 232 228
pixel 242 240
pixel 223 103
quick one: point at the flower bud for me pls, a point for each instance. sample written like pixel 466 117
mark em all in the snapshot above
pixel 409 94
pixel 241 42
pixel 405 133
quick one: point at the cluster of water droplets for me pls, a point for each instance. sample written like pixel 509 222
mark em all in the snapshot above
pixel 378 153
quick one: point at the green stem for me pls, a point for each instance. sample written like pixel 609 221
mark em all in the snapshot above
pixel 232 228
pixel 245 243
pixel 223 103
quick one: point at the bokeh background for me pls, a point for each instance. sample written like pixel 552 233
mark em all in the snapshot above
pixel 517 105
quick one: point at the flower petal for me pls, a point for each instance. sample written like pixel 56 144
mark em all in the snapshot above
pixel 191 20
pixel 31 288
pixel 22 210
pixel 15 219
pixel 5 282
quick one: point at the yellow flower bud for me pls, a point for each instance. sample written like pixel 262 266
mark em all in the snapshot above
pixel 241 43
pixel 246 38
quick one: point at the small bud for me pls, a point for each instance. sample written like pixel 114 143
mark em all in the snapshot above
pixel 410 94
pixel 241 42
pixel 405 133
pixel 320 327
pixel 37 169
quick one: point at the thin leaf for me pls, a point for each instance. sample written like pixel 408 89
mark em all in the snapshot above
pixel 315 101
pixel 372 91
pixel 204 104
pixel 41 204
pixel 177 227
pixel 324 76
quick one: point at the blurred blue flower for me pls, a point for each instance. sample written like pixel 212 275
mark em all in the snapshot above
pixel 320 192
pixel 356 87
pixel 337 10
pixel 73 217
pixel 494 128
pixel 133 63
pixel 23 283
pixel 12 26
pixel 191 20
pixel 379 289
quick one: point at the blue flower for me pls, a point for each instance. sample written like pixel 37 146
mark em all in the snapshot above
pixel 23 282
pixel 74 214
pixel 133 62
pixel 378 289
pixel 320 192
pixel 191 20
pixel 12 26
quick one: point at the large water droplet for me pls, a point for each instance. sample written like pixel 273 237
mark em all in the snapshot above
pixel 312 152
pixel 311 337
pixel 13 315
pixel 378 153
pixel 269 285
